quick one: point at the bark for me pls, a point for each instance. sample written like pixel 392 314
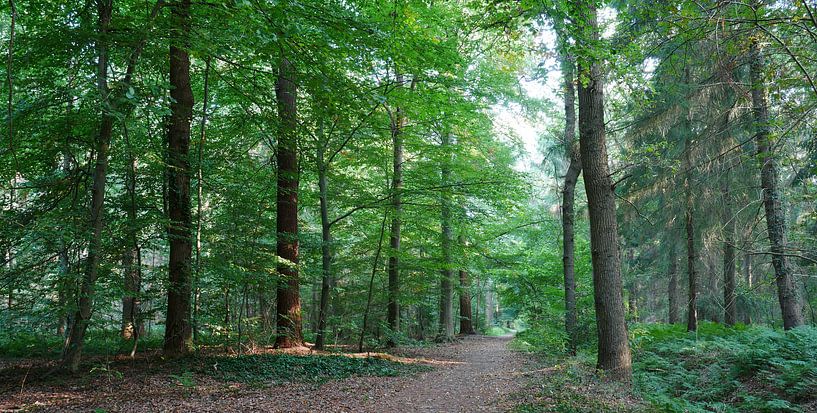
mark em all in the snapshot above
pixel 674 299
pixel 178 332
pixel 613 347
pixel 466 316
pixel 790 305
pixel 76 336
pixel 568 198
pixel 288 308
pixel 689 223
pixel 446 328
pixel 326 249
pixel 393 312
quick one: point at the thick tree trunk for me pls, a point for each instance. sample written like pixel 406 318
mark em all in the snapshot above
pixel 446 330
pixel 76 336
pixel 288 308
pixel 790 305
pixel 672 289
pixel 614 350
pixel 393 311
pixel 178 333
pixel 568 198
pixel 326 251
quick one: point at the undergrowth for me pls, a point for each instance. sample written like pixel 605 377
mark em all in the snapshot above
pixel 745 368
pixel 270 369
pixel 717 369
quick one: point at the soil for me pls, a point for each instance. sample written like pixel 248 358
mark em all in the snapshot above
pixel 474 374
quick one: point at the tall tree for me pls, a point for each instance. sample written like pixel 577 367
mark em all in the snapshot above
pixel 574 168
pixel 288 307
pixel 79 323
pixel 446 330
pixel 396 125
pixel 613 348
pixel 689 225
pixel 178 332
pixel 787 294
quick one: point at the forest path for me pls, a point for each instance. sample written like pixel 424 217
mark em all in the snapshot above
pixel 481 375
pixel 473 374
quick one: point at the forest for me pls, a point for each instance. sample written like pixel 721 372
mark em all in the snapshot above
pixel 408 205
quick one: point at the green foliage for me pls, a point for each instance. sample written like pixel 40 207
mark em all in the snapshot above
pixel 269 369
pixel 747 368
pixel 571 385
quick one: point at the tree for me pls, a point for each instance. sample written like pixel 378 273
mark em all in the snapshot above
pixel 396 125
pixel 446 328
pixel 288 308
pixel 178 332
pixel 613 348
pixel 574 168
pixel 772 200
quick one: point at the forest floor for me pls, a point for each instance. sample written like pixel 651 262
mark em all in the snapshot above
pixel 474 374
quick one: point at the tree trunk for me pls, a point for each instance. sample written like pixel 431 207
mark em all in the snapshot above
pixel 178 334
pixel 130 261
pixel 489 304
pixel 288 308
pixel 466 316
pixel 674 300
pixel 326 250
pixel 613 351
pixel 689 222
pixel 446 328
pixel 747 273
pixel 393 311
pixel 76 337
pixel 692 299
pixel 199 203
pixel 787 294
pixel 729 297
pixel 568 198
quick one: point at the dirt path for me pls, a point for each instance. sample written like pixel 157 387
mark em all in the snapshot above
pixel 476 374
pixel 485 373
